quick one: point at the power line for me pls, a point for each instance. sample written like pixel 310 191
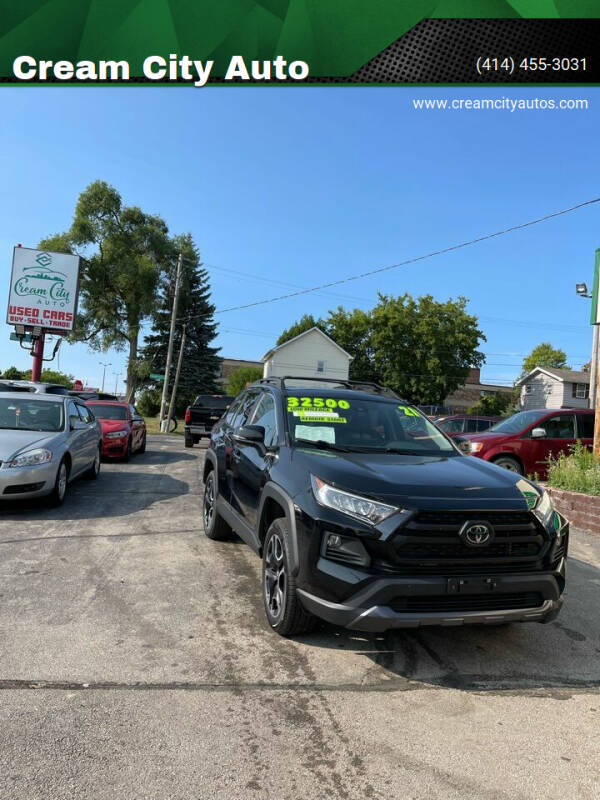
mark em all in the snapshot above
pixel 414 260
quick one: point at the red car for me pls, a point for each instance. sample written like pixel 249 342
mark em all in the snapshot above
pixel 123 428
pixel 524 442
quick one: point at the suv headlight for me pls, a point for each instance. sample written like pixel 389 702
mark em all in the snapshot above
pixel 31 458
pixel 354 505
pixel 545 507
pixel 115 434
pixel 476 447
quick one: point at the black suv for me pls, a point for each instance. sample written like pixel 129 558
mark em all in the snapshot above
pixel 368 516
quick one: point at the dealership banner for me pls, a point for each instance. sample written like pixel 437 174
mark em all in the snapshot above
pixel 43 290
pixel 291 42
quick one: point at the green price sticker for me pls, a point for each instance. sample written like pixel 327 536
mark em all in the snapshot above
pixel 408 412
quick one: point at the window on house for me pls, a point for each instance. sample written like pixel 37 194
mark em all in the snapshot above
pixel 528 388
pixel 487 393
pixel 581 391
pixel 320 366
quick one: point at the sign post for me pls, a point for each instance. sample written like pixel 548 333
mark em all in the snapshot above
pixel 42 297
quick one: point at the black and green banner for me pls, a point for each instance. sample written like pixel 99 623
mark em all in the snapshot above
pixel 200 42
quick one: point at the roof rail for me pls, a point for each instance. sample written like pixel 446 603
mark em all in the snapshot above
pixel 365 386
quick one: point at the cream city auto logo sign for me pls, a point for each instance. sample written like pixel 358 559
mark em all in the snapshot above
pixel 42 282
pixel 476 534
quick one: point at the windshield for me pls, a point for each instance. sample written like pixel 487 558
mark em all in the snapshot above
pixel 369 425
pixel 31 415
pixel 108 412
pixel 517 422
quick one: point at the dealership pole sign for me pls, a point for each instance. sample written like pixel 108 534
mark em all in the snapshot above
pixel 43 290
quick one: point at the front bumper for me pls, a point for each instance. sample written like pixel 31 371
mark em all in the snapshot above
pixel 113 448
pixel 21 483
pixel 370 609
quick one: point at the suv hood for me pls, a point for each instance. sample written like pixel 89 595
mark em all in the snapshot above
pixel 415 481
pixel 485 436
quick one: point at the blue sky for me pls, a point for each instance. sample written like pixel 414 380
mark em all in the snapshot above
pixel 298 186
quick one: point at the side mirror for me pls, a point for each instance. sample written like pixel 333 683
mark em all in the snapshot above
pixel 254 434
pixel 538 433
pixel 77 424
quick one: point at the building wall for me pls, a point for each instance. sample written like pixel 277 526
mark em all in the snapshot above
pixel 229 365
pixel 569 400
pixel 300 358
pixel 470 393
pixel 545 392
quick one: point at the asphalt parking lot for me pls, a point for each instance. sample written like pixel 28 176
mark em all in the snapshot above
pixel 136 662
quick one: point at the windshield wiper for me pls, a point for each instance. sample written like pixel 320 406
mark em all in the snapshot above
pixel 324 445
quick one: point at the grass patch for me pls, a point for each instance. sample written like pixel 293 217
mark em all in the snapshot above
pixel 153 426
pixel 576 472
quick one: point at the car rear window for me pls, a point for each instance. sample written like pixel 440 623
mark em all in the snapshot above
pixel 217 401
pixel 109 412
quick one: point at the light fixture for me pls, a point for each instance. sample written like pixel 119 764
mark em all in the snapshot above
pixel 582 289
pixel 20 330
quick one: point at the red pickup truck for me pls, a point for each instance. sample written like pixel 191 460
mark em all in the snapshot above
pixel 524 442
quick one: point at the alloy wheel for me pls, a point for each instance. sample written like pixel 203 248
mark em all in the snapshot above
pixel 209 502
pixel 275 577
pixel 62 481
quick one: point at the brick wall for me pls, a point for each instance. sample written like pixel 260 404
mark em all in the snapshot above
pixel 582 510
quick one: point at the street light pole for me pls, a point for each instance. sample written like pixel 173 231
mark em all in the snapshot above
pixel 117 376
pixel 105 365
pixel 163 401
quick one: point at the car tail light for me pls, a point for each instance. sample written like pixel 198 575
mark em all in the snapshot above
pixel 188 415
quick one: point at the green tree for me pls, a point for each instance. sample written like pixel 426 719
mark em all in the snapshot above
pixel 241 377
pixel 54 376
pixel 123 250
pixel 200 365
pixel 353 330
pixel 496 405
pixel 544 355
pixel 305 323
pixel 14 374
pixel 422 348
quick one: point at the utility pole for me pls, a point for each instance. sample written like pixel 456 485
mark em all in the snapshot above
pixel 105 365
pixel 595 320
pixel 38 358
pixel 176 381
pixel 594 368
pixel 117 376
pixel 163 403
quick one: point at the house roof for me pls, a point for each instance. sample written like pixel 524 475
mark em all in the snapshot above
pixel 270 352
pixel 561 375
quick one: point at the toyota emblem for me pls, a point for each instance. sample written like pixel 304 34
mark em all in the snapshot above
pixel 477 534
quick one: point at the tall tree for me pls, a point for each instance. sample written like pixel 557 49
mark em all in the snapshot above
pixel 544 355
pixel 201 363
pixel 305 323
pixel 123 250
pixel 240 378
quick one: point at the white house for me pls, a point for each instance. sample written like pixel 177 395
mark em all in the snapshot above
pixel 311 354
pixel 545 387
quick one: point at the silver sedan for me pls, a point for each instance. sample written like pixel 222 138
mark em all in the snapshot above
pixel 46 441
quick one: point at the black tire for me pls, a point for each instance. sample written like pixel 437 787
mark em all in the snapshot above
pixel 59 492
pixel 215 526
pixel 284 611
pixel 188 441
pixel 128 451
pixel 93 472
pixel 509 463
pixel 143 445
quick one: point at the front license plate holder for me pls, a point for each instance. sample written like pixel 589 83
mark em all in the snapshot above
pixel 471 585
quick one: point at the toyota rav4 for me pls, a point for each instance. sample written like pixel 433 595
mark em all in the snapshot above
pixel 368 516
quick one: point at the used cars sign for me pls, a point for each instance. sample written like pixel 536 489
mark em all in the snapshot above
pixel 43 289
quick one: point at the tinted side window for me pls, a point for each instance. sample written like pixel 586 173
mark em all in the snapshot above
pixel 483 424
pixel 233 410
pixel 471 425
pixel 72 413
pixel 243 411
pixel 85 413
pixel 585 426
pixel 264 414
pixel 561 426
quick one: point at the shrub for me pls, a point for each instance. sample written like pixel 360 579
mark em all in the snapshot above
pixel 577 471
pixel 149 403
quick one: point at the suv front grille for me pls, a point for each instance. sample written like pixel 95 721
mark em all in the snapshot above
pixel 429 544
pixel 474 602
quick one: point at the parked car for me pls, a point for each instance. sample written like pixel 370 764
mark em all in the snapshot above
pixel 36 387
pixel 123 428
pixel 524 442
pixel 368 516
pixel 458 424
pixel 202 415
pixel 83 395
pixel 46 441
